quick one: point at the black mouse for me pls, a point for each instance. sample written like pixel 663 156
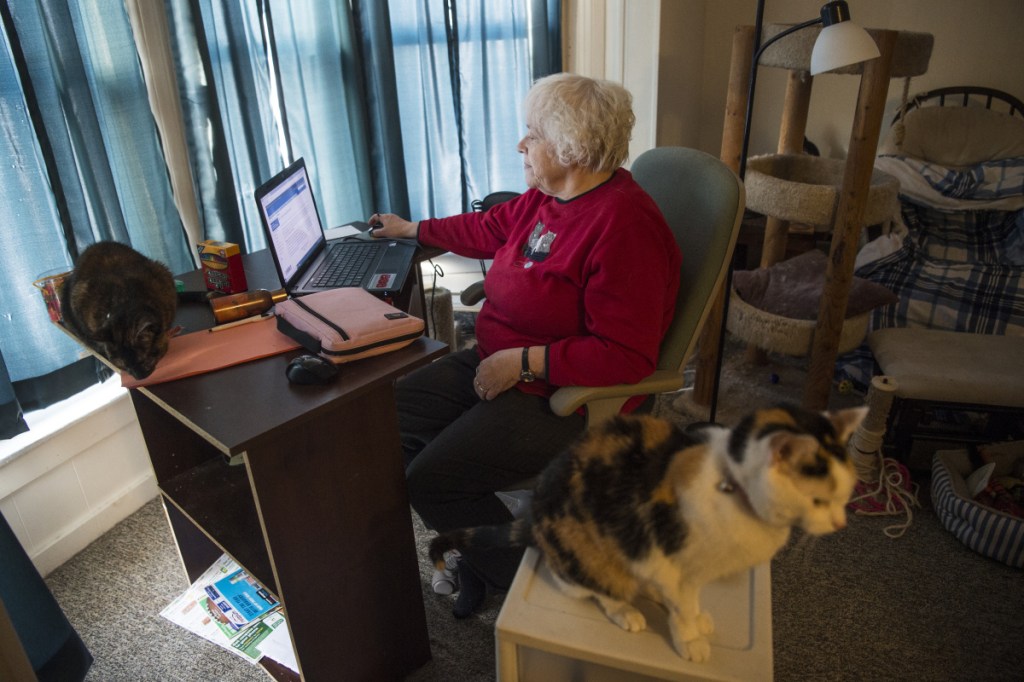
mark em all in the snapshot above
pixel 311 369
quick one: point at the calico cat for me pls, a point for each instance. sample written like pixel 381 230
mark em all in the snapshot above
pixel 121 304
pixel 639 507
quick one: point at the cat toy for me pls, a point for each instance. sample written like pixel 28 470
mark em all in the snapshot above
pixel 884 487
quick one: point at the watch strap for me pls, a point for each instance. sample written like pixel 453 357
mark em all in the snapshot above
pixel 525 373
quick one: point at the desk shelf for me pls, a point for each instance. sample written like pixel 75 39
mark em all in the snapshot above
pixel 216 498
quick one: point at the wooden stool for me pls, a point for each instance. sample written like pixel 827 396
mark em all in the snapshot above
pixel 953 370
pixel 542 634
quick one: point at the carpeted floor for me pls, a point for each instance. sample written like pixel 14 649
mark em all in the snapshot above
pixel 857 605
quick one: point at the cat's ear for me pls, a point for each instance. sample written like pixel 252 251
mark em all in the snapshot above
pixel 788 447
pixel 845 422
pixel 146 332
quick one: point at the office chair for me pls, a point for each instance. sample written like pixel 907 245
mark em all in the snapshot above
pixel 702 201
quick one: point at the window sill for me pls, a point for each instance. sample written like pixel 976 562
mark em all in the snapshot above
pixel 46 423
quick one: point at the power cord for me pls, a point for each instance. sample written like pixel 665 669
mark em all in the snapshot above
pixel 438 272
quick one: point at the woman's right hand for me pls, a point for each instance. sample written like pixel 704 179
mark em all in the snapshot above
pixel 391 226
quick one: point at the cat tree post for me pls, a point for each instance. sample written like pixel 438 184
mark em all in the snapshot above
pixel 736 96
pixel 732 146
pixel 853 196
pixel 791 141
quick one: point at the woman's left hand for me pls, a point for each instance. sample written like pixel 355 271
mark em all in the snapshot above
pixel 497 373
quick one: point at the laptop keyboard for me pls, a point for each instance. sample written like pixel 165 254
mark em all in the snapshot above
pixel 345 267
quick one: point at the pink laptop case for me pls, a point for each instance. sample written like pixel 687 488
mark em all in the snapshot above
pixel 346 324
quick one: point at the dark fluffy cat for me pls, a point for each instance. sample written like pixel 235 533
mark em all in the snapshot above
pixel 638 507
pixel 121 304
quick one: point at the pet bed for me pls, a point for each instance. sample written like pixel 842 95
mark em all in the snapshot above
pixel 988 531
pixel 776 307
pixel 958 264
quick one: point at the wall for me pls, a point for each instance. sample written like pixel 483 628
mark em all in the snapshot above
pixel 976 43
pixel 77 477
pixel 617 40
pixel 680 71
pixel 681 49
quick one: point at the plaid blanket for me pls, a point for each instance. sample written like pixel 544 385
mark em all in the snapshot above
pixel 982 182
pixel 977 237
pixel 991 185
pixel 959 271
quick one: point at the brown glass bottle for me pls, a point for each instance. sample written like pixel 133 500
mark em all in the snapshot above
pixel 245 304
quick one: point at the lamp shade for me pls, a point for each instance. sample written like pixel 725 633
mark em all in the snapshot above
pixel 840 45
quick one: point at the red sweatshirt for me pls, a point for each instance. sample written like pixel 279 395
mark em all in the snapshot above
pixel 594 279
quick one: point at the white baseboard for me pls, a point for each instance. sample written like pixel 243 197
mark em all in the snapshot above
pixel 90 528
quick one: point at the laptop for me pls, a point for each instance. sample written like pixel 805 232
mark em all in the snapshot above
pixel 306 261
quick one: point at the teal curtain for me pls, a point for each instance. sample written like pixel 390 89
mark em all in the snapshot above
pixel 463 68
pixel 83 164
pixel 274 80
pixel 407 106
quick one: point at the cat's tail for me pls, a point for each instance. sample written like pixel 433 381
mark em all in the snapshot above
pixel 513 534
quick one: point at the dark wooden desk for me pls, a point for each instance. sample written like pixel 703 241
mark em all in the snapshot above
pixel 315 508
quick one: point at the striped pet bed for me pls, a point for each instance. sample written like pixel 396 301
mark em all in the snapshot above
pixel 985 530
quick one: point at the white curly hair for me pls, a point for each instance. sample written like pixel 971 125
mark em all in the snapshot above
pixel 588 122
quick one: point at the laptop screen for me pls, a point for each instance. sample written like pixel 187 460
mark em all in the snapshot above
pixel 292 222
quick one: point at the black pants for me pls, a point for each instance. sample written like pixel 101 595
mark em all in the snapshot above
pixel 459 450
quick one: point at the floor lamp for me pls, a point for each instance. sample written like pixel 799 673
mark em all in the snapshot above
pixel 840 43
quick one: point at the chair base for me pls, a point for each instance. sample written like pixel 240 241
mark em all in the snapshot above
pixel 542 634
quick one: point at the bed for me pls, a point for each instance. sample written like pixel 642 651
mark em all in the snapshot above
pixel 957 260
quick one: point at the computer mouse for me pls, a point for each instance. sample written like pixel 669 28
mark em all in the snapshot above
pixel 311 369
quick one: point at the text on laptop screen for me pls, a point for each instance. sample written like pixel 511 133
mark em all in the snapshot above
pixel 291 214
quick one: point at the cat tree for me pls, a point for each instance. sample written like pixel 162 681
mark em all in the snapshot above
pixel 848 186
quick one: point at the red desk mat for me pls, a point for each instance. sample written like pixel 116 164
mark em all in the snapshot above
pixel 205 351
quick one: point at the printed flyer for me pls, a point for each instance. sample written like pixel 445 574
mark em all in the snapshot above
pixel 264 630
pixel 240 600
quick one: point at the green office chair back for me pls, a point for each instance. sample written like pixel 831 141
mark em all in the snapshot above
pixel 702 201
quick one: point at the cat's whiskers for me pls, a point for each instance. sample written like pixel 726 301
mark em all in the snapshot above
pixel 802 546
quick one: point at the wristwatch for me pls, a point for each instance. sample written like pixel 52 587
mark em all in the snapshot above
pixel 526 374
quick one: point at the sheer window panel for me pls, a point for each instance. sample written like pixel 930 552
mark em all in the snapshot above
pixel 482 100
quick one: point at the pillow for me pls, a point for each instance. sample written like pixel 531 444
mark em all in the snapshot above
pixel 792 288
pixel 957 136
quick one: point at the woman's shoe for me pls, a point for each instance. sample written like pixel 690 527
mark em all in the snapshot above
pixel 472 590
pixel 445 580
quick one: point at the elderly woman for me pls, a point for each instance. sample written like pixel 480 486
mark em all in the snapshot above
pixel 582 287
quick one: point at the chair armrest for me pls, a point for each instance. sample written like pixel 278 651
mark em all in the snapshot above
pixel 472 294
pixel 603 402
